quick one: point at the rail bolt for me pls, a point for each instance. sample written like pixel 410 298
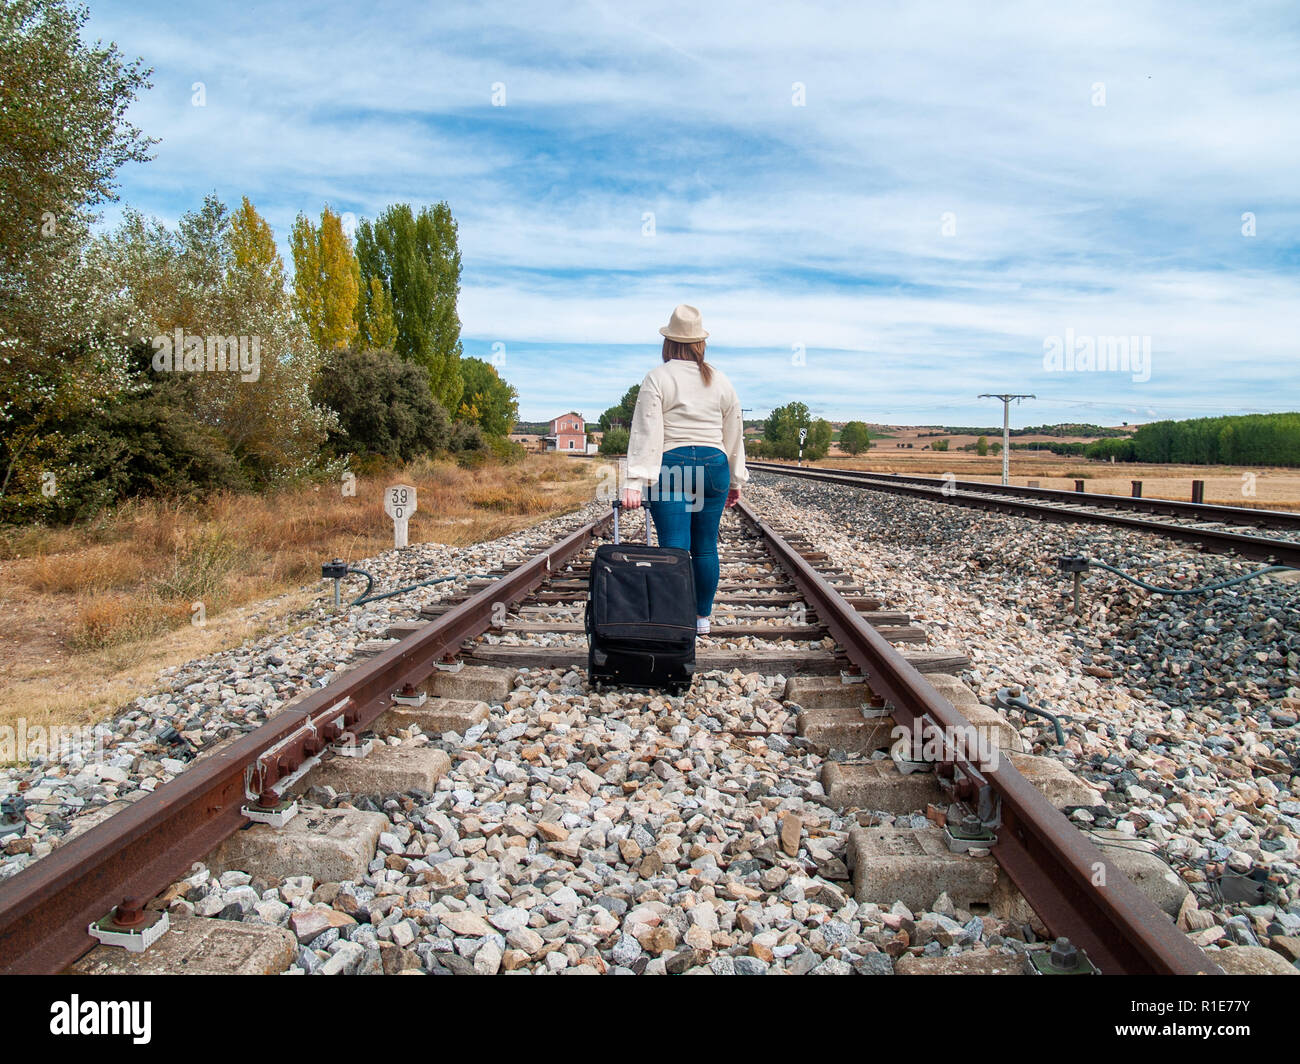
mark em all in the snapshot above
pixel 1062 959
pixel 129 913
pixel 1064 955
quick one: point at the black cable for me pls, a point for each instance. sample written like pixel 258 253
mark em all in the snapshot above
pixel 366 596
pixel 370 584
pixel 1217 586
pixel 1006 699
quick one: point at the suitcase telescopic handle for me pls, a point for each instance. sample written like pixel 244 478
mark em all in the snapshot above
pixel 617 505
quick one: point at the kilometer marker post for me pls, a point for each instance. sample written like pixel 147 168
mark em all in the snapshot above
pixel 399 504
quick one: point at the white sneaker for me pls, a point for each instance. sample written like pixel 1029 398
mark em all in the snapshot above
pixel 701 626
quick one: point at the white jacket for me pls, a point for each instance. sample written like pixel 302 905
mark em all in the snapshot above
pixel 674 408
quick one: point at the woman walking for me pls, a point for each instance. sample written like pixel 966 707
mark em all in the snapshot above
pixel 687 452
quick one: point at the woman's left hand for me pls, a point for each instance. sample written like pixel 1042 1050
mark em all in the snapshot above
pixel 631 499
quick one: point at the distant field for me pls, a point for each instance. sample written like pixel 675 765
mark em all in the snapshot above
pixel 1275 488
pixel 890 439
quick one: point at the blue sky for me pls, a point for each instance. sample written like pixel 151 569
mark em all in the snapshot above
pixel 960 183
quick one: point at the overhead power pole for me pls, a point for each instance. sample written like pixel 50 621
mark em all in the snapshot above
pixel 1006 427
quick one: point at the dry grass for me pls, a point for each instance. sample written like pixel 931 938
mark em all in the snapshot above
pixel 1274 487
pixel 90 613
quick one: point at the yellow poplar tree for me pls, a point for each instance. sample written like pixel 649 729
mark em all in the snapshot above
pixel 340 284
pixel 306 273
pixel 252 244
pixel 326 280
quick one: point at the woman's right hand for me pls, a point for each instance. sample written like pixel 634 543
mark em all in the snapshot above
pixel 631 499
pixel 733 497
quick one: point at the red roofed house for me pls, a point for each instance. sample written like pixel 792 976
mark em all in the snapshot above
pixel 568 434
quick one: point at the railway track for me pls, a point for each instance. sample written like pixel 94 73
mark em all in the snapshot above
pixel 982 827
pixel 1211 527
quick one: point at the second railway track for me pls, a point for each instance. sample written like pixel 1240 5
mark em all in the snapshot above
pixel 1211 527
pixel 868 856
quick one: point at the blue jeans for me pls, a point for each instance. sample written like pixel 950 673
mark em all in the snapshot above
pixel 686 505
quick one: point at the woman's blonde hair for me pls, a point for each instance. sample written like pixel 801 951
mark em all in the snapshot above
pixel 689 353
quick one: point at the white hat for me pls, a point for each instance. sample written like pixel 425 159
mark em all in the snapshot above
pixel 685 325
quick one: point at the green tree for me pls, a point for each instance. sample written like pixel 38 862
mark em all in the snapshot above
pixel 614 441
pixel 383 406
pixel 982 446
pixel 620 416
pixel 417 261
pixel 487 401
pixel 63 138
pixel 376 328
pixel 781 429
pixel 939 445
pixel 855 438
pixel 819 439
pixel 326 280
pixel 1255 439
pixel 213 277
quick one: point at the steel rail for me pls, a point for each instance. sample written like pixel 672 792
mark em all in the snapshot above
pixel 1200 511
pixel 1068 882
pixel 45 909
pixel 1284 552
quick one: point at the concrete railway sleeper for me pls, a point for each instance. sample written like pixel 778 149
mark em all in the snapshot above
pixel 814 803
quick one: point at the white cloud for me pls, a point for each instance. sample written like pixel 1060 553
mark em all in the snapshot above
pixel 816 224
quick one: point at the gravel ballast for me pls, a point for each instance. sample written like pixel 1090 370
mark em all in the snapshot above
pixel 619 832
pixel 1182 709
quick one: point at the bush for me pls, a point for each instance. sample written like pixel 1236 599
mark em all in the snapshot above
pixel 142 446
pixel 384 406
pixel 506 450
pixel 466 436
pixel 469 445
pixel 615 441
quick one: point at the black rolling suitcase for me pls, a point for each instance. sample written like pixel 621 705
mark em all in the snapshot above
pixel 640 616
